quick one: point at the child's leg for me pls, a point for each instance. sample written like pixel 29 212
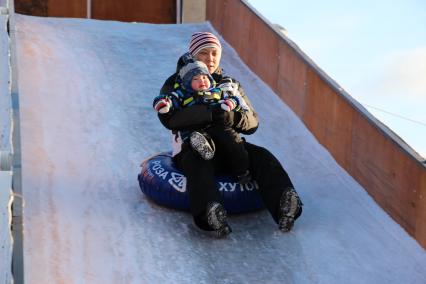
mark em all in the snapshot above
pixel 199 142
pixel 231 148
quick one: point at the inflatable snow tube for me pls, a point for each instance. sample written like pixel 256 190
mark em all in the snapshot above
pixel 166 186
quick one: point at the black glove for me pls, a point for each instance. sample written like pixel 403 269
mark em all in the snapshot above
pixel 221 117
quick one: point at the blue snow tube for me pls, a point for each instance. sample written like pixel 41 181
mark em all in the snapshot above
pixel 165 185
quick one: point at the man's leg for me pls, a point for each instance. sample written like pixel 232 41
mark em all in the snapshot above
pixel 272 179
pixel 200 182
pixel 205 201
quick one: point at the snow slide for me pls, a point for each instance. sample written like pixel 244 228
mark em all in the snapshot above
pixel 86 88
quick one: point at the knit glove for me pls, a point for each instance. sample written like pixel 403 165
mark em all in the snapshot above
pixel 228 88
pixel 162 105
pixel 229 104
pixel 242 105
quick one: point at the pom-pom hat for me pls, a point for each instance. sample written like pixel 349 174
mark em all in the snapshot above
pixel 203 40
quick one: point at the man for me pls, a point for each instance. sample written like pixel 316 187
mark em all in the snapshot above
pixel 275 187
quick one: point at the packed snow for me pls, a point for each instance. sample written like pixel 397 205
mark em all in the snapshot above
pixel 86 90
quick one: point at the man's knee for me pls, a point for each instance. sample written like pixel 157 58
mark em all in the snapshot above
pixel 259 154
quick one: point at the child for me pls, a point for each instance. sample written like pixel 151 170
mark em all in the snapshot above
pixel 196 86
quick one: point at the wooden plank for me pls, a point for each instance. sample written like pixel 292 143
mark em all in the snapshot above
pixel 329 118
pixel 159 11
pixel 215 14
pixel 263 49
pixel 420 234
pixel 234 15
pixel 66 8
pixel 339 130
pixel 316 110
pixel 383 169
pixel 31 7
pixel 291 78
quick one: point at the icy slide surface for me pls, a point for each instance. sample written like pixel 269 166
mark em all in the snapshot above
pixel 85 91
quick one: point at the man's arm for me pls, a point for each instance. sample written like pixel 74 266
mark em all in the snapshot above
pixel 245 122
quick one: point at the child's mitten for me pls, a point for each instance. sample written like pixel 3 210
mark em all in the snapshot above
pixel 163 105
pixel 229 104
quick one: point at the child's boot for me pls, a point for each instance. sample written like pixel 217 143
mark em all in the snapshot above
pixel 203 144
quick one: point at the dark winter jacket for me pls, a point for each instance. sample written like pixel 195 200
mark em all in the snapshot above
pixel 182 98
pixel 199 116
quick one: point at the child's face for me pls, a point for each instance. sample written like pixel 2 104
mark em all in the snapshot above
pixel 200 82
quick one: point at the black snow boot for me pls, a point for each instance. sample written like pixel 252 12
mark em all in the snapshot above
pixel 203 144
pixel 216 218
pixel 290 208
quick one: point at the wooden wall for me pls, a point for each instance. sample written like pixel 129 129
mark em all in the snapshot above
pixel 393 176
pixel 158 11
pixel 70 9
pixel 31 7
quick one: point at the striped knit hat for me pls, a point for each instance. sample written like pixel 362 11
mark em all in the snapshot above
pixel 202 40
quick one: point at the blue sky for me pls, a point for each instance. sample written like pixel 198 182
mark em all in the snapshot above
pixel 375 50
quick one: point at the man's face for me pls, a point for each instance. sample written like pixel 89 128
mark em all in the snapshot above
pixel 209 56
pixel 200 83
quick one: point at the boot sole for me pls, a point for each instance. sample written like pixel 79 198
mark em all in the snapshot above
pixel 217 220
pixel 289 208
pixel 200 144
